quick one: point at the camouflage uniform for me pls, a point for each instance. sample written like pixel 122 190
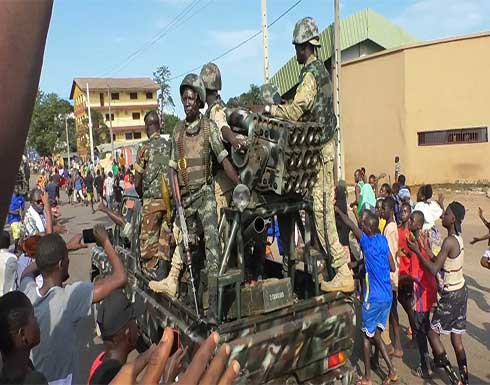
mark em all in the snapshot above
pixel 313 101
pixel 152 162
pixel 223 186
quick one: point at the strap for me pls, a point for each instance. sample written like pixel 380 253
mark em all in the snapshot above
pixel 182 162
pixel 205 127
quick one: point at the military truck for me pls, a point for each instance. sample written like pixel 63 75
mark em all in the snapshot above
pixel 281 329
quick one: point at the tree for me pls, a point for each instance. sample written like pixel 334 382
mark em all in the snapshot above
pixel 169 123
pixel 162 77
pixel 100 130
pixel 47 129
pixel 247 99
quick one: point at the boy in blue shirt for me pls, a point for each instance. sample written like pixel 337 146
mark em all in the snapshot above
pixel 378 296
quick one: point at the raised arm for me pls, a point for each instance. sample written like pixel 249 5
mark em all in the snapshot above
pixel 352 226
pixel 434 266
pixel 118 278
pixel 485 222
pixel 479 239
pixel 116 218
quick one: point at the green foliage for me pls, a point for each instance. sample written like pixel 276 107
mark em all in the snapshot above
pixel 100 130
pixel 161 76
pixel 247 99
pixel 169 123
pixel 47 130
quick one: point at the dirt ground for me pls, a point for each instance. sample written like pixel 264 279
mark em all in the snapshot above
pixel 477 338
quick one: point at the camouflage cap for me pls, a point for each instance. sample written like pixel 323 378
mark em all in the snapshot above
pixel 211 77
pixel 270 94
pixel 195 82
pixel 306 30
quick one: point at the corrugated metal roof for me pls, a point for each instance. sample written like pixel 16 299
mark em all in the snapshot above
pixel 361 26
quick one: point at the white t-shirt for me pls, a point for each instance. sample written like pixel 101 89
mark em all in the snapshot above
pixel 108 186
pixel 8 271
pixel 58 313
pixel 432 212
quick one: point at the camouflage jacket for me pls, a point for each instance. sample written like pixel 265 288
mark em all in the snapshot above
pixel 313 100
pixel 152 161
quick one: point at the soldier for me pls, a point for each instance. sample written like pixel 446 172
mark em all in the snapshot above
pixel 314 102
pixel 211 78
pixel 150 180
pixel 195 139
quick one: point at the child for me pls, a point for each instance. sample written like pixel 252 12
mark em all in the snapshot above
pixel 20 333
pixel 391 234
pixel 378 296
pixel 485 259
pixel 405 282
pixel 425 290
pixel 450 314
pixel 378 212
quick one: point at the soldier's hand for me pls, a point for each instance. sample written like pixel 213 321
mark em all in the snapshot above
pixel 100 234
pixel 239 142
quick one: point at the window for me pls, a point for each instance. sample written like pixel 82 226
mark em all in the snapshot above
pixel 137 135
pixel 149 95
pixel 107 117
pixel 101 97
pixel 136 116
pixel 458 136
pixel 133 95
pixel 115 95
pixel 129 135
pixel 113 136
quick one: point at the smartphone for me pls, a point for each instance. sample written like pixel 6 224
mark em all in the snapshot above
pixel 176 343
pixel 88 236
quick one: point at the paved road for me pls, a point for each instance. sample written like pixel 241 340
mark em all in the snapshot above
pixel 477 340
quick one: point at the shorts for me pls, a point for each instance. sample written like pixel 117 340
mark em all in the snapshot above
pixel 374 315
pixel 450 314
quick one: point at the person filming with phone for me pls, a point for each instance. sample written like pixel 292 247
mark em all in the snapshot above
pixel 60 307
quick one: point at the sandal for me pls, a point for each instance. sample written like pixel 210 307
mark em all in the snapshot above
pixel 363 381
pixel 393 377
pixel 419 372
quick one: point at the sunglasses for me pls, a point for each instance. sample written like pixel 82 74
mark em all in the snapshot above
pixel 38 202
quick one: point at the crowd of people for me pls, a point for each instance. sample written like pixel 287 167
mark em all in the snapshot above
pixel 404 259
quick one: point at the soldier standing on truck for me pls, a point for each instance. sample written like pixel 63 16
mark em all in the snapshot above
pixel 151 173
pixel 314 102
pixel 195 139
pixel 211 77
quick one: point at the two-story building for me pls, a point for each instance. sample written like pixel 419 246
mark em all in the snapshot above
pixel 129 98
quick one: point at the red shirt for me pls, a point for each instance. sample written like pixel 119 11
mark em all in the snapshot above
pixel 425 285
pixel 98 360
pixel 404 260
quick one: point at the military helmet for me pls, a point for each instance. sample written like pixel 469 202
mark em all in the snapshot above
pixel 211 77
pixel 306 30
pixel 195 82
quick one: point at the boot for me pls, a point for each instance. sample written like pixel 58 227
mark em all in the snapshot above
pixel 169 285
pixel 343 281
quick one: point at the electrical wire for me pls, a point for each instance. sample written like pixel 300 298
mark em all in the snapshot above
pixel 234 48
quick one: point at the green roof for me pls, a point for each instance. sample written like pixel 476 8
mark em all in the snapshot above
pixel 361 26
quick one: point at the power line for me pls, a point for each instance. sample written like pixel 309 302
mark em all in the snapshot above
pixel 165 30
pixel 234 48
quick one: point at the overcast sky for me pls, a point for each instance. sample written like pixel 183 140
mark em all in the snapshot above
pixel 95 38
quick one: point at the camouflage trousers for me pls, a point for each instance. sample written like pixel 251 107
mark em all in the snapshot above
pixel 201 217
pixel 324 212
pixel 223 189
pixel 155 234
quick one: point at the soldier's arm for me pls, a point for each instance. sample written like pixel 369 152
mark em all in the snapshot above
pixel 222 154
pixel 302 102
pixel 219 117
pixel 139 168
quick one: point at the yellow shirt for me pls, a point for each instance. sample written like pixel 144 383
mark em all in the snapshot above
pixel 303 99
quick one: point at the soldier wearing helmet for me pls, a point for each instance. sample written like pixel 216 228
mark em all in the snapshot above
pixel 313 101
pixel 211 78
pixel 194 141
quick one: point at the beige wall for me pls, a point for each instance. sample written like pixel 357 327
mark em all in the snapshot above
pixel 388 98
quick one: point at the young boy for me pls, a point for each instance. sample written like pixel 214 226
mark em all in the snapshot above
pixel 405 282
pixel 20 333
pixel 391 234
pixel 485 259
pixel 450 314
pixel 378 296
pixel 425 290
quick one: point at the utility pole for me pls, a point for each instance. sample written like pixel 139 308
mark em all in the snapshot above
pixel 91 137
pixel 265 40
pixel 110 121
pixel 336 94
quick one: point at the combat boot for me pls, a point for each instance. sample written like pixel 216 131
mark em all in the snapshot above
pixel 169 285
pixel 343 281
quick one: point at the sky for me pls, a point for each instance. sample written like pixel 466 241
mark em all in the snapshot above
pixel 131 38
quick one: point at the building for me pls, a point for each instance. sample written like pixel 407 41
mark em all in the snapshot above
pixel 424 102
pixel 129 98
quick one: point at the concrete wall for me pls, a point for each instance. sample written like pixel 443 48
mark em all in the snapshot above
pixel 388 98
